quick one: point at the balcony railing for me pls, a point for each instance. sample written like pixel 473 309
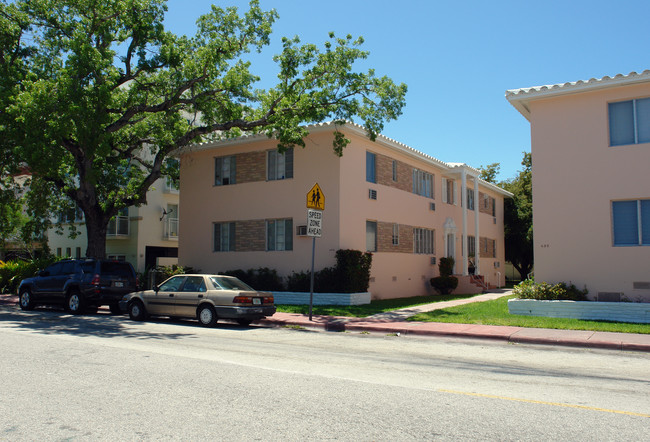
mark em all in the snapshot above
pixel 171 228
pixel 118 226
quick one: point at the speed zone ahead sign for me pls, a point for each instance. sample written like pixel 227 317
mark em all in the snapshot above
pixel 314 223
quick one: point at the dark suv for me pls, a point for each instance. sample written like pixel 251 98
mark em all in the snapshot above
pixel 79 284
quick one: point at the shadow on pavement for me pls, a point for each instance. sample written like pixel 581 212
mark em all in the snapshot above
pixel 58 322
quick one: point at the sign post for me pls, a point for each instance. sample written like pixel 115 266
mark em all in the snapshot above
pixel 315 207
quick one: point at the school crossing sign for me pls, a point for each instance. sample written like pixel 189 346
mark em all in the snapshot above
pixel 315 198
pixel 315 207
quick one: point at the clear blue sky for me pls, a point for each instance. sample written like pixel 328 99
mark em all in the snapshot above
pixel 459 57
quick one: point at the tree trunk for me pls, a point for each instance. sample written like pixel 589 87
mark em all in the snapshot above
pixel 96 228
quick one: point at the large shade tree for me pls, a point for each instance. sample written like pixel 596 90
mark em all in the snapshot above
pixel 97 94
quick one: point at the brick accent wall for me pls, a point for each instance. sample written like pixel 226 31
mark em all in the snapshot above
pixel 385 173
pixel 251 167
pixel 482 206
pixel 488 248
pixel 250 236
pixel 385 238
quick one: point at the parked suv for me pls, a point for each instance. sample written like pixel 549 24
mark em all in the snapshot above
pixel 79 284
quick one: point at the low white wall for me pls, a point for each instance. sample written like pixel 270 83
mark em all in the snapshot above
pixel 302 298
pixel 602 311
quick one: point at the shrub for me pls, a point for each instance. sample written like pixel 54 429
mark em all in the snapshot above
pixel 353 268
pixel 299 282
pixel 529 289
pixel 260 279
pixel 12 272
pixel 445 283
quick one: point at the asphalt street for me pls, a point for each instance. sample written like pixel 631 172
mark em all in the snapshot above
pixel 104 377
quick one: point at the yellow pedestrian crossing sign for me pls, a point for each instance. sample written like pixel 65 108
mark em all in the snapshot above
pixel 315 198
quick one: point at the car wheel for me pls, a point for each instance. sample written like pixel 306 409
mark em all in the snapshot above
pixel 25 300
pixel 74 303
pixel 137 311
pixel 244 322
pixel 207 316
pixel 115 308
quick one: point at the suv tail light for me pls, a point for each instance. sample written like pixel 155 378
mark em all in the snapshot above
pixel 95 282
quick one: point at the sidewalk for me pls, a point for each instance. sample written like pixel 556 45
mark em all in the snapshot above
pixel 395 322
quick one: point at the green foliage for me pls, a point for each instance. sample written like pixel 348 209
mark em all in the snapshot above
pixel 96 95
pixel 160 273
pixel 445 283
pixel 529 289
pixel 446 266
pixel 351 274
pixel 518 214
pixel 375 307
pixel 12 272
pixel 496 313
pixel 260 279
pixel 489 173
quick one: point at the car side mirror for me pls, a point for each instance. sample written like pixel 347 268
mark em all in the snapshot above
pixel 156 288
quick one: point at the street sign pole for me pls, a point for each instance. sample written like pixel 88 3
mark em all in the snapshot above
pixel 315 207
pixel 311 282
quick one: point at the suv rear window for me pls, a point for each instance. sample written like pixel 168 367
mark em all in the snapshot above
pixel 116 269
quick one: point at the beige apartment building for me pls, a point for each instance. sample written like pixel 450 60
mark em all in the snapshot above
pixel 245 206
pixel 591 187
pixel 145 236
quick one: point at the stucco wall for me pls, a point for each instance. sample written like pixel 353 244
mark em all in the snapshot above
pixel 347 208
pixel 576 176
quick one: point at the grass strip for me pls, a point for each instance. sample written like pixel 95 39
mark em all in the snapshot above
pixel 496 313
pixel 362 311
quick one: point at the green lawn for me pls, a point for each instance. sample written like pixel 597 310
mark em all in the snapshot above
pixel 496 313
pixel 361 311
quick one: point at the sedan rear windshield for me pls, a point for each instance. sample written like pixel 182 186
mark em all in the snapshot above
pixel 225 283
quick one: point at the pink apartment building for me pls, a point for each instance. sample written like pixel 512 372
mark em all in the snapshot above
pixel 244 206
pixel 591 186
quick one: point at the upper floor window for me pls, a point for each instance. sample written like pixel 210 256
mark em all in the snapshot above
pixel 371 167
pixel 225 170
pixel 395 238
pixel 119 225
pixel 224 237
pixel 470 199
pixel 71 216
pixel 448 191
pixel 394 170
pixel 631 222
pixel 280 165
pixel 422 183
pixel 279 234
pixel 629 122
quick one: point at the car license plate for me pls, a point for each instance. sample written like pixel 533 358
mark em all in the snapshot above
pixel 119 284
pixel 257 301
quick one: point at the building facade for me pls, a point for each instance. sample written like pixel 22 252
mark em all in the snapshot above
pixel 145 236
pixel 590 144
pixel 244 206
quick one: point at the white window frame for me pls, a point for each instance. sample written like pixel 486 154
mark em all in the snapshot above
pixel 423 183
pixel 225 170
pixel 279 235
pixel 424 241
pixel 279 166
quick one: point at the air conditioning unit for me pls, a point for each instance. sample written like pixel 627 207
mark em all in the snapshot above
pixel 497 265
pixel 494 220
pixel 432 206
pixel 372 194
pixel 301 230
pixel 433 260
